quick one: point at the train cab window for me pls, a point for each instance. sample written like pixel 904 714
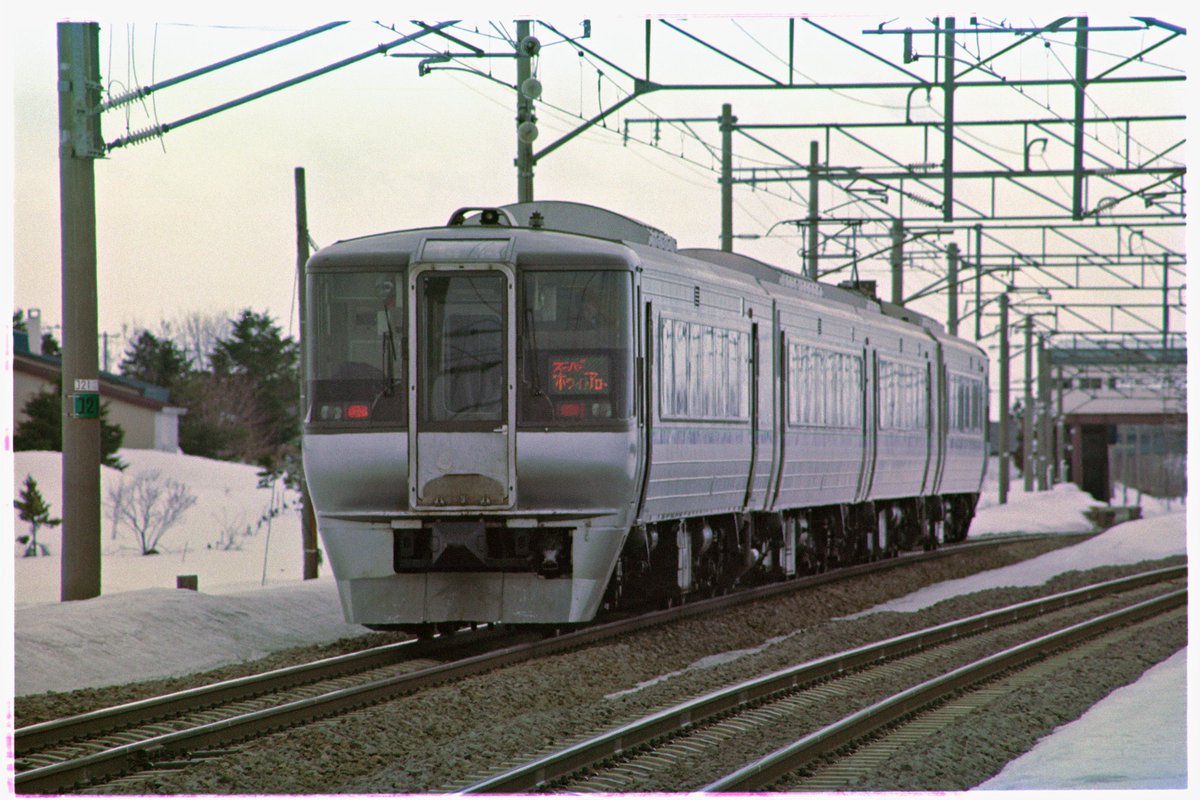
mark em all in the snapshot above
pixel 461 374
pixel 576 345
pixel 356 361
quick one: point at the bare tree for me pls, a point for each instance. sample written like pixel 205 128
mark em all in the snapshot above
pixel 150 504
pixel 224 419
pixel 198 332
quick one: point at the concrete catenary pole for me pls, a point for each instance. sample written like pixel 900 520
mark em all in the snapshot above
pixel 1045 417
pixel 1005 401
pixel 80 143
pixel 897 262
pixel 814 164
pixel 978 282
pixel 1166 305
pixel 727 122
pixel 952 288
pixel 526 122
pixel 1028 467
pixel 1060 466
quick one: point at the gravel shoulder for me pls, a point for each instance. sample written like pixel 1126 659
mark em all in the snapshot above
pixel 441 738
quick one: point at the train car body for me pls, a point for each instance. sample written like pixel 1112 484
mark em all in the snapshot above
pixel 543 408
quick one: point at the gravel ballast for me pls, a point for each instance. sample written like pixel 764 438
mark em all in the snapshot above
pixel 441 738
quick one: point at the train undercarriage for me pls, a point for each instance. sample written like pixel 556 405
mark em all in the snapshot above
pixel 669 561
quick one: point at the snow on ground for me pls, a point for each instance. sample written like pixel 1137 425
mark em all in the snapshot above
pixel 1140 540
pixel 1098 744
pixel 252 599
pixel 248 564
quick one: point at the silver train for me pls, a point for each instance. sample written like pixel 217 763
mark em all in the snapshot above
pixel 547 408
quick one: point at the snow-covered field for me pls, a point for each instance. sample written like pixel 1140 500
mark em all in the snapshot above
pixel 252 601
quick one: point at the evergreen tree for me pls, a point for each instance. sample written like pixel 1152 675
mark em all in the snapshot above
pixel 42 428
pixel 255 353
pixel 35 510
pixel 158 361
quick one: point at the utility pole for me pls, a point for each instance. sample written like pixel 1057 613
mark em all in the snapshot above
pixel 526 120
pixel 813 165
pixel 1166 309
pixel 1027 466
pixel 727 121
pixel 948 123
pixel 952 288
pixel 1005 402
pixel 1045 432
pixel 80 143
pixel 978 282
pixel 897 259
pixel 1081 68
pixel 308 519
pixel 1060 470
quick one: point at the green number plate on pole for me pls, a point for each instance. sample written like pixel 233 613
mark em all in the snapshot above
pixel 87 405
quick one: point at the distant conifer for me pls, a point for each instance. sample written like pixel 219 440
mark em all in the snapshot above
pixel 34 510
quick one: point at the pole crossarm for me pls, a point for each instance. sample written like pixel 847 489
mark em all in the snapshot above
pixel 146 91
pixel 777 83
pixel 158 130
pixel 921 81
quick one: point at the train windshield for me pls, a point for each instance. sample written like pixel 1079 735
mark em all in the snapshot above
pixel 461 371
pixel 356 353
pixel 576 347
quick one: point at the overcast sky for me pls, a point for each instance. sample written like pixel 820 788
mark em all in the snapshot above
pixel 202 219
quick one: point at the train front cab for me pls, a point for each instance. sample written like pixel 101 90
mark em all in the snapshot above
pixel 484 412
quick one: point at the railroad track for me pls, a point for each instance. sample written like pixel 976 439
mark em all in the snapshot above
pixel 165 732
pixel 665 750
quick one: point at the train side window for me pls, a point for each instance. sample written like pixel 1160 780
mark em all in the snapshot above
pixel 704 374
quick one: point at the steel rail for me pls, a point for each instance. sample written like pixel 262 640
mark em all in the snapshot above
pixel 626 738
pixel 41 735
pixel 772 767
pixel 118 760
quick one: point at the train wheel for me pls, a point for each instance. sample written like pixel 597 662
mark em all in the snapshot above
pixel 885 535
pixel 948 518
pixel 810 544
pixel 424 631
pixel 927 527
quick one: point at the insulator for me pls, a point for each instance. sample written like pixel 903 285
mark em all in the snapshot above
pixel 125 97
pixel 137 137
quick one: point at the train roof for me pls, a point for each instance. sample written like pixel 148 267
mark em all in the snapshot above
pixel 860 294
pixel 586 220
pixel 565 233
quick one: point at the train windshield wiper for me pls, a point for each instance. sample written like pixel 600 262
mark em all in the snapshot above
pixel 532 355
pixel 389 360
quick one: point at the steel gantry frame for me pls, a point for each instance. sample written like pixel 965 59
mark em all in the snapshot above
pixel 1091 266
pixel 930 193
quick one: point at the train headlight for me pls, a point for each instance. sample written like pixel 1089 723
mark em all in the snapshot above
pixel 337 412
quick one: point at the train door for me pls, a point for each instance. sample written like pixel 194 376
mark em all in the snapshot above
pixel 870 427
pixel 461 376
pixel 647 372
pixel 751 476
pixel 940 416
pixel 930 423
